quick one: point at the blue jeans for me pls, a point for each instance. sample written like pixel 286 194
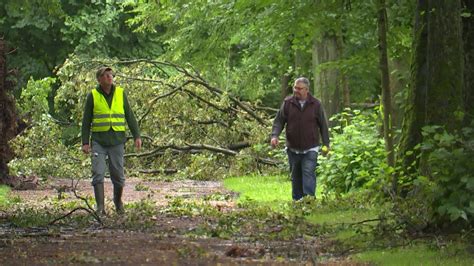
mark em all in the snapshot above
pixel 303 176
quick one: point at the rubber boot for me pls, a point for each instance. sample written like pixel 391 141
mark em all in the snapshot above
pixel 99 198
pixel 118 199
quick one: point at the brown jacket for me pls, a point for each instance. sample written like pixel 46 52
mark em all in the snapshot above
pixel 303 125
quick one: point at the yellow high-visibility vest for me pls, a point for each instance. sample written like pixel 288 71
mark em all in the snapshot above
pixel 105 117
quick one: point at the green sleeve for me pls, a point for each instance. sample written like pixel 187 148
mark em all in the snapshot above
pixel 130 117
pixel 87 119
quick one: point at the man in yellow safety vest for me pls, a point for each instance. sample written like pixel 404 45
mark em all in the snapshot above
pixel 105 114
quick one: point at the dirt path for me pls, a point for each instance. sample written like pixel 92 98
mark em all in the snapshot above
pixel 135 190
pixel 166 243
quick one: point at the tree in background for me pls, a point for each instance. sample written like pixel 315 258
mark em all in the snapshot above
pixel 45 33
pixel 438 136
pixel 386 90
pixel 7 115
pixel 437 73
pixel 257 47
pixel 468 47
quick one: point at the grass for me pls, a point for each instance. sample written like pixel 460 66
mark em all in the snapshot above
pixel 418 254
pixel 275 191
pixel 272 190
pixel 4 190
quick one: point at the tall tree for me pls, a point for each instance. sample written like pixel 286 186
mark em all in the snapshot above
pixel 468 42
pixel 7 115
pixel 437 72
pixel 386 91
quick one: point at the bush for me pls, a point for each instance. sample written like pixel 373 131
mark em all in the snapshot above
pixel 449 165
pixel 357 157
pixel 39 151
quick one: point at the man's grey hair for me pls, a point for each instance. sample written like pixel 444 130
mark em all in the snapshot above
pixel 303 80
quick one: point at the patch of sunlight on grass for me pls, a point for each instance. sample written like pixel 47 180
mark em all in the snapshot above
pixel 262 189
pixel 421 254
pixel 4 190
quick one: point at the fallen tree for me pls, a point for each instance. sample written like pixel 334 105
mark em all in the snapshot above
pixel 190 126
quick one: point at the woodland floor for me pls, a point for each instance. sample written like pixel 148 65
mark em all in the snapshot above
pixel 165 242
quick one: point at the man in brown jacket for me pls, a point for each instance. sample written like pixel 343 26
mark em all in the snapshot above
pixel 305 121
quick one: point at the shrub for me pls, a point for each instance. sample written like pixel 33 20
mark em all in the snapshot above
pixel 357 157
pixel 449 165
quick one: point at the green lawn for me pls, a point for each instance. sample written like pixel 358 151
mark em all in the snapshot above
pixel 271 190
pixel 418 254
pixel 275 191
pixel 4 190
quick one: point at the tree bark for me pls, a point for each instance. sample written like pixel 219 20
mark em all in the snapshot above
pixel 468 45
pixel 7 115
pixel 386 91
pixel 327 81
pixel 285 79
pixel 436 75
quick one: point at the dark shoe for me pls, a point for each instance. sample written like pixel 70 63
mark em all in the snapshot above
pixel 99 198
pixel 118 199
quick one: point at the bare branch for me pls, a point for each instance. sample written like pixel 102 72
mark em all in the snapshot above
pixel 194 148
pixel 158 171
pixel 92 211
pixel 152 102
pixel 234 99
pixel 69 213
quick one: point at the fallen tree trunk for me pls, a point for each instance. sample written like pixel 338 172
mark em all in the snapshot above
pixel 196 148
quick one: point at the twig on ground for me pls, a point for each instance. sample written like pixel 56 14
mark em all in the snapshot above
pixel 69 213
pixel 90 208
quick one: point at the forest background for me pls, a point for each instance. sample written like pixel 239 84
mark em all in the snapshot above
pixel 205 79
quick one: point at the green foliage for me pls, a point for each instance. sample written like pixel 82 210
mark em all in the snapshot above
pixel 45 33
pixel 247 45
pixel 139 215
pixel 206 166
pixel 215 121
pixel 357 158
pixel 4 190
pixel 449 165
pixel 41 151
pixel 34 99
pixel 181 207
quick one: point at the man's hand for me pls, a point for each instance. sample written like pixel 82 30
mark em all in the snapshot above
pixel 325 150
pixel 138 144
pixel 86 148
pixel 274 142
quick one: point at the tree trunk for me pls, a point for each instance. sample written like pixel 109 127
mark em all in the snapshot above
pixel 386 91
pixel 285 88
pixel 7 115
pixel 285 79
pixel 327 81
pixel 317 91
pixel 468 42
pixel 437 72
pixel 346 92
pixel 344 84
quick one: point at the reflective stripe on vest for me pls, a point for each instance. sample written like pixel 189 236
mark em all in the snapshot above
pixel 105 117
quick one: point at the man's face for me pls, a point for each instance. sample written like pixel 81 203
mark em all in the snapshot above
pixel 107 78
pixel 300 90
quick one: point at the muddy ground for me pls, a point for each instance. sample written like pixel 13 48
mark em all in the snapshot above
pixel 165 243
